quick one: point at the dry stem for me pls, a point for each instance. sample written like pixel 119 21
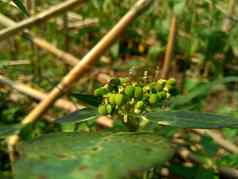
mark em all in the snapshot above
pixel 169 49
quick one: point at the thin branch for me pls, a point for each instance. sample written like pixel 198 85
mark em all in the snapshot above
pixel 169 49
pixel 37 94
pixel 41 17
pixel 14 63
pixel 66 57
pixel 227 145
pixel 226 172
pixel 83 24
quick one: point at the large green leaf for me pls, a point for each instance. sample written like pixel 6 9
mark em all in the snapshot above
pixel 90 155
pixel 186 119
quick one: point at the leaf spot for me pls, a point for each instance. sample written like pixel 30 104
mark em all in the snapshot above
pixel 99 176
pixel 83 167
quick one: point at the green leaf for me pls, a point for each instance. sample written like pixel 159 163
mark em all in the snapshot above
pixel 6 130
pixel 90 100
pixel 20 5
pixel 90 155
pixel 186 119
pixel 228 160
pixel 199 91
pixel 78 116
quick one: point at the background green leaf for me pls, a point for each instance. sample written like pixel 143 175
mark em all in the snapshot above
pixel 90 155
pixel 186 119
pixel 20 5
pixel 6 130
pixel 90 100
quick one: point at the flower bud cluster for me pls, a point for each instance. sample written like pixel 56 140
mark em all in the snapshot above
pixel 121 96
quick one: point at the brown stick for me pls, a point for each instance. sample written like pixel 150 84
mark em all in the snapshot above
pixel 78 70
pixel 41 17
pixel 226 172
pixel 227 145
pixel 66 57
pixel 83 24
pixel 41 43
pixel 169 49
pixel 36 94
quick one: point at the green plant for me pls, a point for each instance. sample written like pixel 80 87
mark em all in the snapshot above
pixel 119 101
pixel 130 100
pixel 17 3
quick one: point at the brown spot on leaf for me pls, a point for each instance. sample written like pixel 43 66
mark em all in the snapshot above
pixel 83 167
pixel 99 176
pixel 62 156
pixel 42 177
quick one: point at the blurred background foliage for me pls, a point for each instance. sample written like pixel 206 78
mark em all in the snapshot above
pixel 205 56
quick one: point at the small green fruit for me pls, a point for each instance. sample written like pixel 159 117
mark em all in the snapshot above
pixel 161 95
pixel 109 108
pixel 119 98
pixel 124 80
pixel 129 91
pixel 153 87
pixel 171 82
pixel 138 92
pixel 102 109
pixel 139 105
pixel 160 85
pixel 111 97
pixel 153 99
pixel 100 91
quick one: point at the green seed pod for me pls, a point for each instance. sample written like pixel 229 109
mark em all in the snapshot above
pixel 100 91
pixel 109 108
pixel 153 99
pixel 153 87
pixel 111 98
pixel 161 95
pixel 160 85
pixel 138 92
pixel 171 82
pixel 139 105
pixel 102 109
pixel 124 80
pixel 129 91
pixel 119 99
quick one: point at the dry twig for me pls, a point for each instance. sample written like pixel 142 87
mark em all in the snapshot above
pixel 37 94
pixel 169 49
pixel 227 145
